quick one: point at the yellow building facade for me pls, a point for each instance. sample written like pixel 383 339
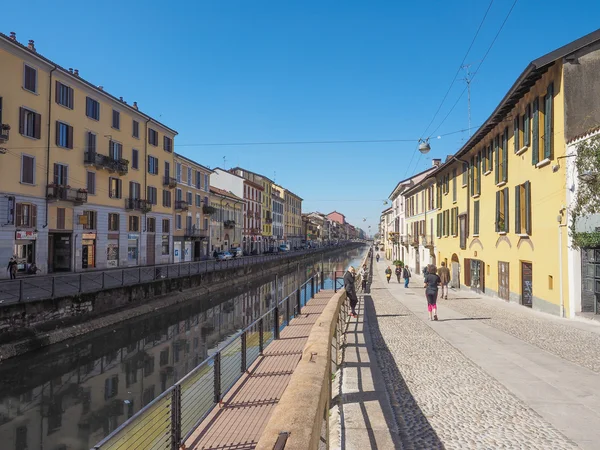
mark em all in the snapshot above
pixel 292 219
pixel 227 220
pixel 82 171
pixel 418 235
pixel 191 229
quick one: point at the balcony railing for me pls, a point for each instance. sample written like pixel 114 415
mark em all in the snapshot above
pixel 4 132
pixel 181 205
pixel 404 240
pixel 427 241
pixel 229 224
pixel 194 232
pixel 106 162
pixel 268 220
pixel 170 181
pixel 56 192
pixel 138 204
pixel 206 209
pixel 413 240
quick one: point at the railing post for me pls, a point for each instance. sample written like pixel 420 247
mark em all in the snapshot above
pixel 261 336
pixel 80 283
pixel 335 281
pixel 288 313
pixel 299 301
pixel 176 417
pixel 122 277
pixel 244 348
pixel 312 287
pixel 276 320
pixel 139 274
pixel 103 280
pixel 217 378
pixel 20 290
pixel 53 287
pixel 322 278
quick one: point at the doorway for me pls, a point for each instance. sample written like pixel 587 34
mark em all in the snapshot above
pixel 151 249
pixel 477 275
pixel 503 280
pixel 455 279
pixel 417 262
pixel 197 252
pixel 590 280
pixel 59 252
pixel 527 284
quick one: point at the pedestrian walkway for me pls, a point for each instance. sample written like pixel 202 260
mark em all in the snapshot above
pixel 239 422
pixel 487 375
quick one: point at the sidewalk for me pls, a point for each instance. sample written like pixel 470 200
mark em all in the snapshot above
pixel 487 375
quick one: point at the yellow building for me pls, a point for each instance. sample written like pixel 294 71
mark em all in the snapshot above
pixel 192 209
pixel 227 219
pixel 278 205
pixel 293 219
pixel 81 177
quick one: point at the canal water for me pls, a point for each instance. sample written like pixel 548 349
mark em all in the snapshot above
pixel 71 395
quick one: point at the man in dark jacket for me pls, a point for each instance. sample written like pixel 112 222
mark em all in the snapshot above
pixel 351 290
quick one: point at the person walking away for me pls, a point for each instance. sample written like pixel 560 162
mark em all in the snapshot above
pixel 363 277
pixel 431 283
pixel 406 275
pixel 12 268
pixel 444 274
pixel 377 257
pixel 388 274
pixel 351 290
pixel 398 273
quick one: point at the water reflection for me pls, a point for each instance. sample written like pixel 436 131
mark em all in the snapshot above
pixel 71 395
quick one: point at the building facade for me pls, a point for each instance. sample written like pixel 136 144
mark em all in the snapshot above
pixel 234 184
pixel 226 220
pixel 293 219
pixel 252 234
pixel 192 209
pixel 278 205
pixel 80 171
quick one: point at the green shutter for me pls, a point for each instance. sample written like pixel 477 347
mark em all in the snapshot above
pixel 484 160
pixel 517 209
pixel 479 173
pixel 476 217
pixel 516 133
pixel 506 222
pixel 497 210
pixel 549 101
pixel 528 207
pixel 505 155
pixel 527 126
pixel 496 139
pixel 536 133
pixel 472 168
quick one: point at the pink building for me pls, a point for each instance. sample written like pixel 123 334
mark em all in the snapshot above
pixel 337 217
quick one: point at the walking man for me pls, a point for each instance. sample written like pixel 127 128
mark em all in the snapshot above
pixel 406 276
pixel 398 273
pixel 351 290
pixel 12 268
pixel 444 274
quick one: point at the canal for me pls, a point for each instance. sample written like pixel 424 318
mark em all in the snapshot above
pixel 71 395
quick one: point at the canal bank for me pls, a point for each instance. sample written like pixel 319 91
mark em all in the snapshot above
pixel 32 325
pixel 74 393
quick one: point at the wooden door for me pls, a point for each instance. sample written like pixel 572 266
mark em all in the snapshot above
pixel 526 284
pixel 503 280
pixel 151 249
pixel 467 271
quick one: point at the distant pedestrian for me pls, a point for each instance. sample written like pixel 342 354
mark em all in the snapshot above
pixel 431 283
pixel 377 257
pixel 398 273
pixel 349 278
pixel 215 254
pixel 12 268
pixel 424 271
pixel 444 274
pixel 388 274
pixel 406 275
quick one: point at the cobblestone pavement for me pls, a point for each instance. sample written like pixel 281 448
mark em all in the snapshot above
pixel 440 398
pixel 562 339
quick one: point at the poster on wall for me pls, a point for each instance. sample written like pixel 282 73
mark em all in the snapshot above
pixel 177 252
pixel 188 251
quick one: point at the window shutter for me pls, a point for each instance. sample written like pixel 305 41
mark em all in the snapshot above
pixel 33 223
pixel 19 215
pixel 70 136
pixel 516 133
pixel 57 92
pixel 506 219
pixel 467 272
pixel 110 191
pixel 528 207
pixel 548 122
pixel 517 209
pixel 505 155
pixel 37 126
pixel 497 210
pixel 22 113
pixel 536 133
pixel 526 125
pixel 71 97
pixel 57 132
pixel 119 187
pixel 472 167
pixel 496 139
pixel 479 174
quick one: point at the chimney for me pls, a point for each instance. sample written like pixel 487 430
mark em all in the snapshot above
pixel 135 105
pixel 13 36
pixel 101 88
pixel 436 162
pixel 121 98
pixel 76 72
pixel 31 45
pixel 70 70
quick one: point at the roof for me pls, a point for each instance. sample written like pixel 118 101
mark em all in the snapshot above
pixel 177 155
pixel 65 72
pixel 253 173
pixel 386 211
pixel 406 180
pixel 589 133
pixel 291 193
pixel 225 193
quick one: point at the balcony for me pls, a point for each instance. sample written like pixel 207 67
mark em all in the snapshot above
pixel 427 241
pixel 195 233
pixel 229 224
pixel 413 240
pixel 66 193
pixel 268 220
pixel 138 204
pixel 4 132
pixel 121 166
pixel 170 181
pixel 181 205
pixel 209 209
pixel 404 240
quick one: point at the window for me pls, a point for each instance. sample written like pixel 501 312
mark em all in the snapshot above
pixel 92 108
pixel 465 174
pixel 30 123
pixel 189 198
pixel 91 183
pixel 27 169
pixel 483 155
pixel 135 159
pixel 198 180
pixel 30 79
pixel 490 157
pixel 134 223
pixel 61 174
pixel 21 439
pixel 548 124
pixel 178 221
pixel 151 225
pixel 168 144
pixel 64 95
pixel 135 132
pixel 91 147
pixel 115 188
pixel 166 226
pixel 152 165
pixel 476 217
pixel 115 150
pixel 111 387
pixel 523 208
pixel 189 176
pixel 152 137
pixel 527 126
pixel 516 134
pixel 116 120
pixel 502 211
pixel 91 220
pixel 166 198
pixel 206 183
pixel 165 245
pixel 502 158
pixel 134 190
pixel 60 218
pixel 64 135
pixel 113 222
pixel 178 194
pixel 25 215
pixel 178 172
pixel 198 200
pixel 152 195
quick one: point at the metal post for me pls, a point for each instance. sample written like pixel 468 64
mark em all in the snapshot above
pixel 276 330
pixel 176 417
pixel 20 290
pixel 122 277
pixel 335 281
pixel 287 311
pixel 53 287
pixel 299 300
pixel 217 378
pixel 312 287
pixel 244 348
pixel 261 336
pixel 80 283
pixel 103 273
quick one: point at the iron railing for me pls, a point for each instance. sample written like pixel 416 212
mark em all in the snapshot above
pixel 138 204
pixel 169 181
pixel 66 193
pixel 195 232
pixel 181 205
pixel 171 418
pixel 106 162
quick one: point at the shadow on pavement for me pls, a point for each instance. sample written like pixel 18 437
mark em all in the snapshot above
pixel 392 315
pixel 466 318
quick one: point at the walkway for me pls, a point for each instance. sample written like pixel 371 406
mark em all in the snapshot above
pixel 239 422
pixel 487 375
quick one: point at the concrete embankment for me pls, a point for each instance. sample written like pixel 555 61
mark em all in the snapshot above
pixel 33 325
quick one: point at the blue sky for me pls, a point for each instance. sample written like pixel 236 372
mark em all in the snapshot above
pixel 273 71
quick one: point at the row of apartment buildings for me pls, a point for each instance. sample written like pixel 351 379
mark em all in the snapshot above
pixel 89 181
pixel 499 212
pixel 322 229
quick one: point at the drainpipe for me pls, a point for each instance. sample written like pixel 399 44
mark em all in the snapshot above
pixel 145 195
pixel 560 267
pixel 48 144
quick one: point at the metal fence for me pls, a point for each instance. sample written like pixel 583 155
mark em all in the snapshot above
pixel 34 288
pixel 171 418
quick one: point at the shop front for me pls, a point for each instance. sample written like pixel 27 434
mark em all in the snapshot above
pixel 59 252
pixel 88 250
pixel 112 251
pixel 24 250
pixel 133 249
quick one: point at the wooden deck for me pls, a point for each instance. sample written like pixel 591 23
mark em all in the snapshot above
pixel 239 422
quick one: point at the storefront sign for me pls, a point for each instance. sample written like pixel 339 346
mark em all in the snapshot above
pixel 10 212
pixel 30 235
pixel 88 236
pixel 113 236
pixel 133 236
